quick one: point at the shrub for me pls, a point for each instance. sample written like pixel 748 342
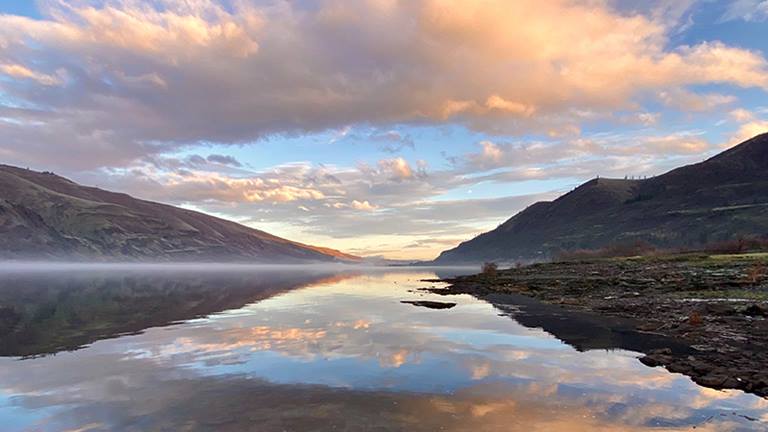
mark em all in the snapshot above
pixel 490 269
pixel 695 319
pixel 756 273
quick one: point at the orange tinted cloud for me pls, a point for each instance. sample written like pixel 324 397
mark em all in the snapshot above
pixel 187 71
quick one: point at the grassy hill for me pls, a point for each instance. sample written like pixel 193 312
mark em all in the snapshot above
pixel 720 199
pixel 43 215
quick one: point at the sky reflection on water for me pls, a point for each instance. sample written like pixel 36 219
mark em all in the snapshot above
pixel 332 352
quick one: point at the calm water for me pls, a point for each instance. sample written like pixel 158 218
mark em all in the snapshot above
pixel 317 350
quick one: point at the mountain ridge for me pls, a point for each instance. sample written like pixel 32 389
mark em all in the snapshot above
pixel 718 199
pixel 43 215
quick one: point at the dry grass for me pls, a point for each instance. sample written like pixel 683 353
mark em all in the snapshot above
pixel 739 245
pixel 612 251
pixel 756 273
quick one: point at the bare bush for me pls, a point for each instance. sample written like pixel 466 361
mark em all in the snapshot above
pixel 489 269
pixel 756 273
pixel 695 319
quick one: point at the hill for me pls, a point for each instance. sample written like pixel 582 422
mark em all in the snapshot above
pixel 717 200
pixel 45 216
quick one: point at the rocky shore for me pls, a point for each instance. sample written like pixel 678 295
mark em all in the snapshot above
pixel 715 304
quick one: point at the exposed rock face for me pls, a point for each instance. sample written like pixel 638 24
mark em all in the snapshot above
pixel 716 200
pixel 45 216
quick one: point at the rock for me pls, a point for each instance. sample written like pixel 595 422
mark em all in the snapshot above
pixel 731 382
pixel 713 380
pixel 756 310
pixel 761 383
pixel 650 361
pixel 720 309
pixel 680 367
pixel 429 304
pixel 702 367
pixel 703 347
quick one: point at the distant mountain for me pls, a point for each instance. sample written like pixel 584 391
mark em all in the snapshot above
pixel 716 200
pixel 46 216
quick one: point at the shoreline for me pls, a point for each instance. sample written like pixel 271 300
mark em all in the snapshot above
pixel 717 305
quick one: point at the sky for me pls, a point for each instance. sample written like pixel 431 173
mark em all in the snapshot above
pixel 378 127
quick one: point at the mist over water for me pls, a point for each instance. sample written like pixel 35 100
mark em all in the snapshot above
pixel 33 266
pixel 319 347
pixel 202 267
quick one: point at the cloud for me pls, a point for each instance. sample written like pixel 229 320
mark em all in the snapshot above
pixel 392 141
pixel 553 155
pixel 22 72
pixel 742 115
pixel 224 160
pixel 688 101
pixel 647 119
pixel 194 186
pixel 362 205
pixel 490 155
pixel 355 204
pixel 675 144
pixel 750 125
pixel 121 80
pixel 395 169
pixel 398 168
pixel 747 10
pixel 386 140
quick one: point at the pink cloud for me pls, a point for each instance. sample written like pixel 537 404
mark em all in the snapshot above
pixel 184 72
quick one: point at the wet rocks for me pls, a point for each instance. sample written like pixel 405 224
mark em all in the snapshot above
pixel 657 357
pixel 756 310
pixel 430 304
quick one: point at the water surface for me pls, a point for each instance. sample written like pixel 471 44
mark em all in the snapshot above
pixel 323 349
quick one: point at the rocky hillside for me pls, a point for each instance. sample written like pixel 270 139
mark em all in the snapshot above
pixel 45 216
pixel 716 200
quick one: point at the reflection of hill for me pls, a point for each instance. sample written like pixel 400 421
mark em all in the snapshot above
pixel 581 330
pixel 45 314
